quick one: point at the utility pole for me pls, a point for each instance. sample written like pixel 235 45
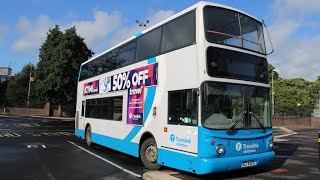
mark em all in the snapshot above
pixel 272 93
pixel 29 85
pixel 319 98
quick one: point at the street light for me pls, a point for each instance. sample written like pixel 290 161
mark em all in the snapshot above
pixel 142 23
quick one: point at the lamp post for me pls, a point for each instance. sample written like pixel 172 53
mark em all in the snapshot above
pixel 142 23
pixel 29 85
pixel 272 92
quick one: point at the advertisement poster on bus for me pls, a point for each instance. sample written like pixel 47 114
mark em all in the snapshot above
pixel 140 78
pixel 91 88
pixel 134 81
pixel 105 85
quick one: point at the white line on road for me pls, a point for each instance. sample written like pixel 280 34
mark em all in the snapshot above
pixel 113 164
pixel 38 130
pixel 289 133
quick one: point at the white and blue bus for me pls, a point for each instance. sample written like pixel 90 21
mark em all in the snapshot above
pixel 191 93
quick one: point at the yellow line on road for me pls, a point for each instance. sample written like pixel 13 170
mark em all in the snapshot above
pixel 9 135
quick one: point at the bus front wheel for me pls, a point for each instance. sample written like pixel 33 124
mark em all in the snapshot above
pixel 149 154
pixel 88 136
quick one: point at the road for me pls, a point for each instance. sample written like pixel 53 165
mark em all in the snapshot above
pixel 32 148
pixel 38 148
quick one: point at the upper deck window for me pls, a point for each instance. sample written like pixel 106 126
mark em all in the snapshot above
pixel 173 35
pixel 232 28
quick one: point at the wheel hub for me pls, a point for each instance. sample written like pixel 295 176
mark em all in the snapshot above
pixel 151 153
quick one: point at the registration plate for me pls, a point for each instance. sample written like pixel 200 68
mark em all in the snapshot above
pixel 249 163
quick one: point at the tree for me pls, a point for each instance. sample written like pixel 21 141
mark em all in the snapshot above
pixel 271 69
pixel 3 88
pixel 294 97
pixel 57 71
pixel 17 89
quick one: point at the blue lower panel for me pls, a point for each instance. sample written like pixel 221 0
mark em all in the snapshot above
pixel 80 133
pixel 209 165
pixel 113 143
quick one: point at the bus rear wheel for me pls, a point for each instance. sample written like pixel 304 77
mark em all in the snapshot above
pixel 88 136
pixel 149 154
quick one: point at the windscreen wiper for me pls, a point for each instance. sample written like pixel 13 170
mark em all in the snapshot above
pixel 236 123
pixel 262 127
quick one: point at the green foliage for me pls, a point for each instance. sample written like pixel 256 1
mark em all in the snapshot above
pixel 57 71
pixel 17 89
pixel 271 69
pixel 295 96
pixel 3 88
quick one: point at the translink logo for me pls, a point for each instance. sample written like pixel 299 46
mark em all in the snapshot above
pixel 172 137
pixel 238 146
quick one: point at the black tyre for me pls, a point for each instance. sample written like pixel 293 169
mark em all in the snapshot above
pixel 149 154
pixel 88 136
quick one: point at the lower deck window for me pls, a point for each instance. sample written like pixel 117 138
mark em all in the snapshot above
pixel 182 107
pixel 109 108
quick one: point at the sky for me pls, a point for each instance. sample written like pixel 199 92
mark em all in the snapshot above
pixel 294 27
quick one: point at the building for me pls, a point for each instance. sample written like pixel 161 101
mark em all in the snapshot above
pixel 5 74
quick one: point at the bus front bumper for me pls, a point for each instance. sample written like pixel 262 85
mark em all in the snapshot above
pixel 214 165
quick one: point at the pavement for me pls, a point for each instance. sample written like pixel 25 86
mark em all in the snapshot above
pixel 44 148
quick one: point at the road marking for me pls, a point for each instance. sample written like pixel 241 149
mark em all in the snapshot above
pixel 9 135
pixel 43 130
pixel 59 133
pixel 280 170
pixel 34 146
pixel 25 124
pixel 289 133
pixel 113 164
pixel 41 133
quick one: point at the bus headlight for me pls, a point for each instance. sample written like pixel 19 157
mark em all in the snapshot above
pixel 220 149
pixel 270 144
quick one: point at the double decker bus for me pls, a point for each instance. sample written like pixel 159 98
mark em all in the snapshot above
pixel 191 93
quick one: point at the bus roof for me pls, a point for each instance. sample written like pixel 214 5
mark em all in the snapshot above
pixel 200 4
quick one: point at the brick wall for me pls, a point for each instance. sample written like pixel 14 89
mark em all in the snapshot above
pixel 27 111
pixel 315 121
pixel 296 121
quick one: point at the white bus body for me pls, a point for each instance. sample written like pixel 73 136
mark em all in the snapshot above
pixel 178 69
